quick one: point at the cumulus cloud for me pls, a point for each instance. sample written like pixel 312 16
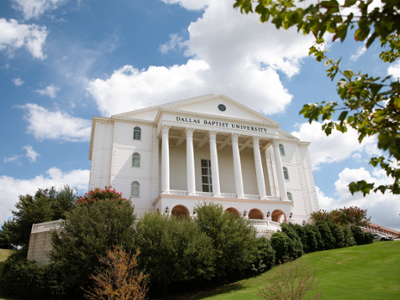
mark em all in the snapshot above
pixel 55 125
pixel 394 70
pixel 383 208
pixel 14 36
pixel 35 8
pixel 227 52
pixel 335 147
pixel 11 188
pixel 360 51
pixel 17 81
pixel 31 153
pixel 50 91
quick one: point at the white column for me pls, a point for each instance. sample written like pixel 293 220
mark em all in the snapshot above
pixel 214 164
pixel 237 166
pixel 279 171
pixel 165 181
pixel 191 182
pixel 259 169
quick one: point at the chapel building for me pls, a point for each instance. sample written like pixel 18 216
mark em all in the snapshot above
pixel 171 157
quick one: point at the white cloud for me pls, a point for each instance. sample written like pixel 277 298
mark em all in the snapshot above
pixel 14 36
pixel 11 188
pixel 50 91
pixel 31 153
pixel 360 51
pixel 13 158
pixel 55 125
pixel 394 70
pixel 35 8
pixel 227 52
pixel 383 208
pixel 335 147
pixel 17 81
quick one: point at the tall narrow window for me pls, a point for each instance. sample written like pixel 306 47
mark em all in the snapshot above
pixel 206 175
pixel 137 133
pixel 285 173
pixel 136 160
pixel 282 149
pixel 135 189
pixel 289 196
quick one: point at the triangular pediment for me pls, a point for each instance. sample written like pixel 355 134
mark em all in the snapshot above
pixel 212 105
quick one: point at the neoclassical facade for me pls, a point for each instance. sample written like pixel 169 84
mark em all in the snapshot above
pixel 169 158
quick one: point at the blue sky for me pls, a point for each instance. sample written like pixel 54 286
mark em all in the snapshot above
pixel 64 61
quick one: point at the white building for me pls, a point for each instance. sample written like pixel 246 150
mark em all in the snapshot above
pixel 170 157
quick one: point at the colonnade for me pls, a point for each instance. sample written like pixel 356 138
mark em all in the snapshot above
pixel 191 186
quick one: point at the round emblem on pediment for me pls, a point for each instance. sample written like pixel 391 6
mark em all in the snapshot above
pixel 221 107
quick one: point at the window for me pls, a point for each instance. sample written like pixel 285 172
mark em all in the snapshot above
pixel 137 133
pixel 206 179
pixel 285 173
pixel 136 160
pixel 282 149
pixel 135 189
pixel 289 196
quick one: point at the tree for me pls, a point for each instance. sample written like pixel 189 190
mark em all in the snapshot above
pixel 119 278
pixel 352 215
pixel 233 238
pixel 46 205
pixel 173 249
pixel 370 105
pixel 88 232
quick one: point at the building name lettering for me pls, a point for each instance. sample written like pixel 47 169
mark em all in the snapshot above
pixel 221 124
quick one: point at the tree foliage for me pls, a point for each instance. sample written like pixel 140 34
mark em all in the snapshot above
pixel 369 104
pixel 352 215
pixel 234 239
pixel 46 205
pixel 119 278
pixel 173 249
pixel 88 232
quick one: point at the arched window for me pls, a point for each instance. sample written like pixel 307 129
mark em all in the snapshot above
pixel 282 149
pixel 135 189
pixel 136 160
pixel 137 133
pixel 289 196
pixel 285 173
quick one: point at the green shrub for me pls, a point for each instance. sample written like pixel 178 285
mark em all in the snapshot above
pixel 318 237
pixel 368 237
pixel 296 247
pixel 348 236
pixel 281 243
pixel 311 238
pixel 326 235
pixel 337 234
pixel 358 234
pixel 266 256
pixel 27 280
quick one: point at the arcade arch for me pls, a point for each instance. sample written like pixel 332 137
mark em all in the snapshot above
pixel 278 216
pixel 232 211
pixel 180 211
pixel 256 214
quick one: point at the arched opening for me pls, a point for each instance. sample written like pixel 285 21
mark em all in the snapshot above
pixel 136 160
pixel 286 173
pixel 278 216
pixel 135 189
pixel 289 196
pixel 180 211
pixel 137 133
pixel 256 214
pixel 282 150
pixel 232 211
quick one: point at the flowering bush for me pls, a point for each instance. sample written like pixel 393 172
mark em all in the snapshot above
pixel 352 215
pixel 100 195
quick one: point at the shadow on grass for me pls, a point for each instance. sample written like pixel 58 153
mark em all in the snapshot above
pixel 233 287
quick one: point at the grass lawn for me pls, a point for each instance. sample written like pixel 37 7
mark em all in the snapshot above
pixel 4 253
pixel 362 272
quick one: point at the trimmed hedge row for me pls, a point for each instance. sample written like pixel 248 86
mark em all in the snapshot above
pixel 294 240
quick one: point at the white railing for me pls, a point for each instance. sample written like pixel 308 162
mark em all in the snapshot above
pixel 47 226
pixel 204 194
pixel 265 223
pixel 252 197
pixel 228 195
pixel 178 192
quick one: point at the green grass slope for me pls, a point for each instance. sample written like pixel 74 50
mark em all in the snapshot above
pixel 362 272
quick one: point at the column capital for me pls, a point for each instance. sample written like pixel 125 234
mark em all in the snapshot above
pixel 165 128
pixel 235 137
pixel 189 131
pixel 212 134
pixel 275 143
pixel 256 138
